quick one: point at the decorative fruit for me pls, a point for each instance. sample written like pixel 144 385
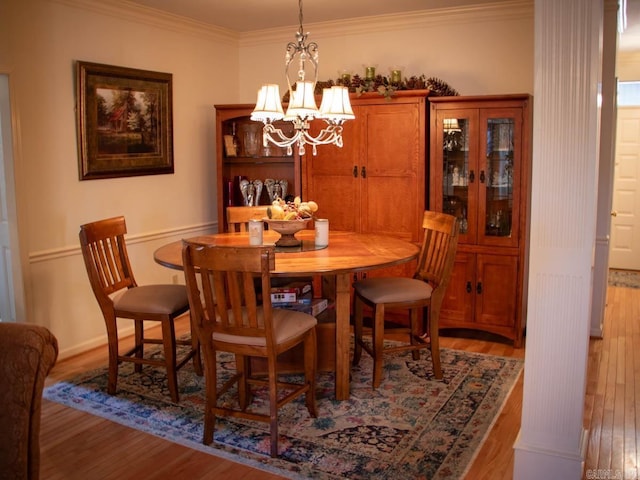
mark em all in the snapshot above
pixel 296 210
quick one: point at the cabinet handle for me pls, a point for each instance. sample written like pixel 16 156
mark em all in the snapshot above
pixel 472 176
pixel 481 176
pixel 355 171
pixel 479 288
pixel 363 172
pixel 468 287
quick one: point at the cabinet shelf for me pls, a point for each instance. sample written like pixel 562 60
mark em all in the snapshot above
pixel 258 160
pixel 253 162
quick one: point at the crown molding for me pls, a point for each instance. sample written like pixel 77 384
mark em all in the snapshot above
pixel 133 12
pixel 510 10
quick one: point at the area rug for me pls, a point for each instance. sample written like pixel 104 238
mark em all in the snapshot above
pixel 624 278
pixel 412 427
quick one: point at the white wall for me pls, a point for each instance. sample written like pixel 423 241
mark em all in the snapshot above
pixel 44 39
pixel 476 51
pixel 488 51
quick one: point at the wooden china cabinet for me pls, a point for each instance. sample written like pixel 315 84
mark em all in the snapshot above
pixel 240 154
pixel 480 164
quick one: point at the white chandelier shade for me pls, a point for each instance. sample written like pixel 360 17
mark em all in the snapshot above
pixel 335 107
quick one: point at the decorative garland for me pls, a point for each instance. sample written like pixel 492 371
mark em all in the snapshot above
pixel 385 86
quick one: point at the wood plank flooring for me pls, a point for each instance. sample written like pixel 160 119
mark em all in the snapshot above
pixel 77 445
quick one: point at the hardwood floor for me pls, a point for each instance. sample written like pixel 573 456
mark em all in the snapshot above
pixel 77 445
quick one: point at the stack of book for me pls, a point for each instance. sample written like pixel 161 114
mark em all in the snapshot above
pixel 298 296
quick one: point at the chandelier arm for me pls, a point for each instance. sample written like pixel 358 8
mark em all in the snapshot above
pixel 330 134
pixel 276 136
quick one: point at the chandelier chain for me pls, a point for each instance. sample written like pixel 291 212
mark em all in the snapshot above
pixel 300 15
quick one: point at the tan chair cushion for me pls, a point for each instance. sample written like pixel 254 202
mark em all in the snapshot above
pixel 393 289
pixel 160 299
pixel 287 324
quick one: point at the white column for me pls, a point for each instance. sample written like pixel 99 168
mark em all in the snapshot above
pixel 563 215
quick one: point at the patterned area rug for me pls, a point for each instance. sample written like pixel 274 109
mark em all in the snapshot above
pixel 412 427
pixel 624 278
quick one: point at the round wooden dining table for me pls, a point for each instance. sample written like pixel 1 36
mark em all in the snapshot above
pixel 346 254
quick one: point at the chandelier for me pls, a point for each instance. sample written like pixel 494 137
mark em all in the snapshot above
pixel 335 107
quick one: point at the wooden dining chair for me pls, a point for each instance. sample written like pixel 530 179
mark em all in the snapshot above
pixel 105 255
pixel 425 291
pixel 228 318
pixel 238 217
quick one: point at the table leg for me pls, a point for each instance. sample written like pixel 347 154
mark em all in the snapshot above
pixel 343 335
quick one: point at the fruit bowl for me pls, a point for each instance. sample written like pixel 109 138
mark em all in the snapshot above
pixel 287 230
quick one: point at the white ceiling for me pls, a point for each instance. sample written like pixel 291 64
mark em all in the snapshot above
pixel 251 15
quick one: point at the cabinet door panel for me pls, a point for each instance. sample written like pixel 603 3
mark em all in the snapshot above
pixel 497 288
pixel 459 301
pixel 392 194
pixel 500 167
pixel 330 179
pixel 455 174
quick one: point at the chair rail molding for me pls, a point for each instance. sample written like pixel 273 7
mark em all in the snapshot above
pixel 167 234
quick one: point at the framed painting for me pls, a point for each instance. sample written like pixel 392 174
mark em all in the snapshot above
pixel 124 120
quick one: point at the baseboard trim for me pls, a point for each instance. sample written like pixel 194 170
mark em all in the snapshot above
pixel 532 462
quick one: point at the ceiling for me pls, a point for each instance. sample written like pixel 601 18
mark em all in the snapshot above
pixel 251 15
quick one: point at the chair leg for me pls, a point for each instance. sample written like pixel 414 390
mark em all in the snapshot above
pixel 112 336
pixel 195 345
pixel 435 343
pixel 169 342
pixel 310 369
pixel 273 405
pixel 378 344
pixel 211 396
pixel 243 366
pixel 414 322
pixel 139 344
pixel 357 330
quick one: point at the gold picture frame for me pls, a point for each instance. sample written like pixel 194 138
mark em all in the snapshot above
pixel 124 121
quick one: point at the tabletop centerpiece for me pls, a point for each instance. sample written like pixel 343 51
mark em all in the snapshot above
pixel 288 218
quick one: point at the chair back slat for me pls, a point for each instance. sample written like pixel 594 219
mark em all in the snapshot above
pixel 238 217
pixel 439 243
pixel 105 255
pixel 221 285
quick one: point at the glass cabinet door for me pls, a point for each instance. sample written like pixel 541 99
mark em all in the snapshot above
pixel 458 168
pixel 498 192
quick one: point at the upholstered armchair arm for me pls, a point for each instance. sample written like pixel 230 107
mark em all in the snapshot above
pixel 27 354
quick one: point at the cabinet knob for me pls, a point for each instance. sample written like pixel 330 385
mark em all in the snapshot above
pixel 614 213
pixel 479 288
pixel 468 287
pixel 481 176
pixel 472 176
pixel 363 172
pixel 355 171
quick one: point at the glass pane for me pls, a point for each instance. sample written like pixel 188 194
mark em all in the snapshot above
pixel 456 169
pixel 499 177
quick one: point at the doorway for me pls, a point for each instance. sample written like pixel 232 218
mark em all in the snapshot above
pixel 11 298
pixel 625 223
